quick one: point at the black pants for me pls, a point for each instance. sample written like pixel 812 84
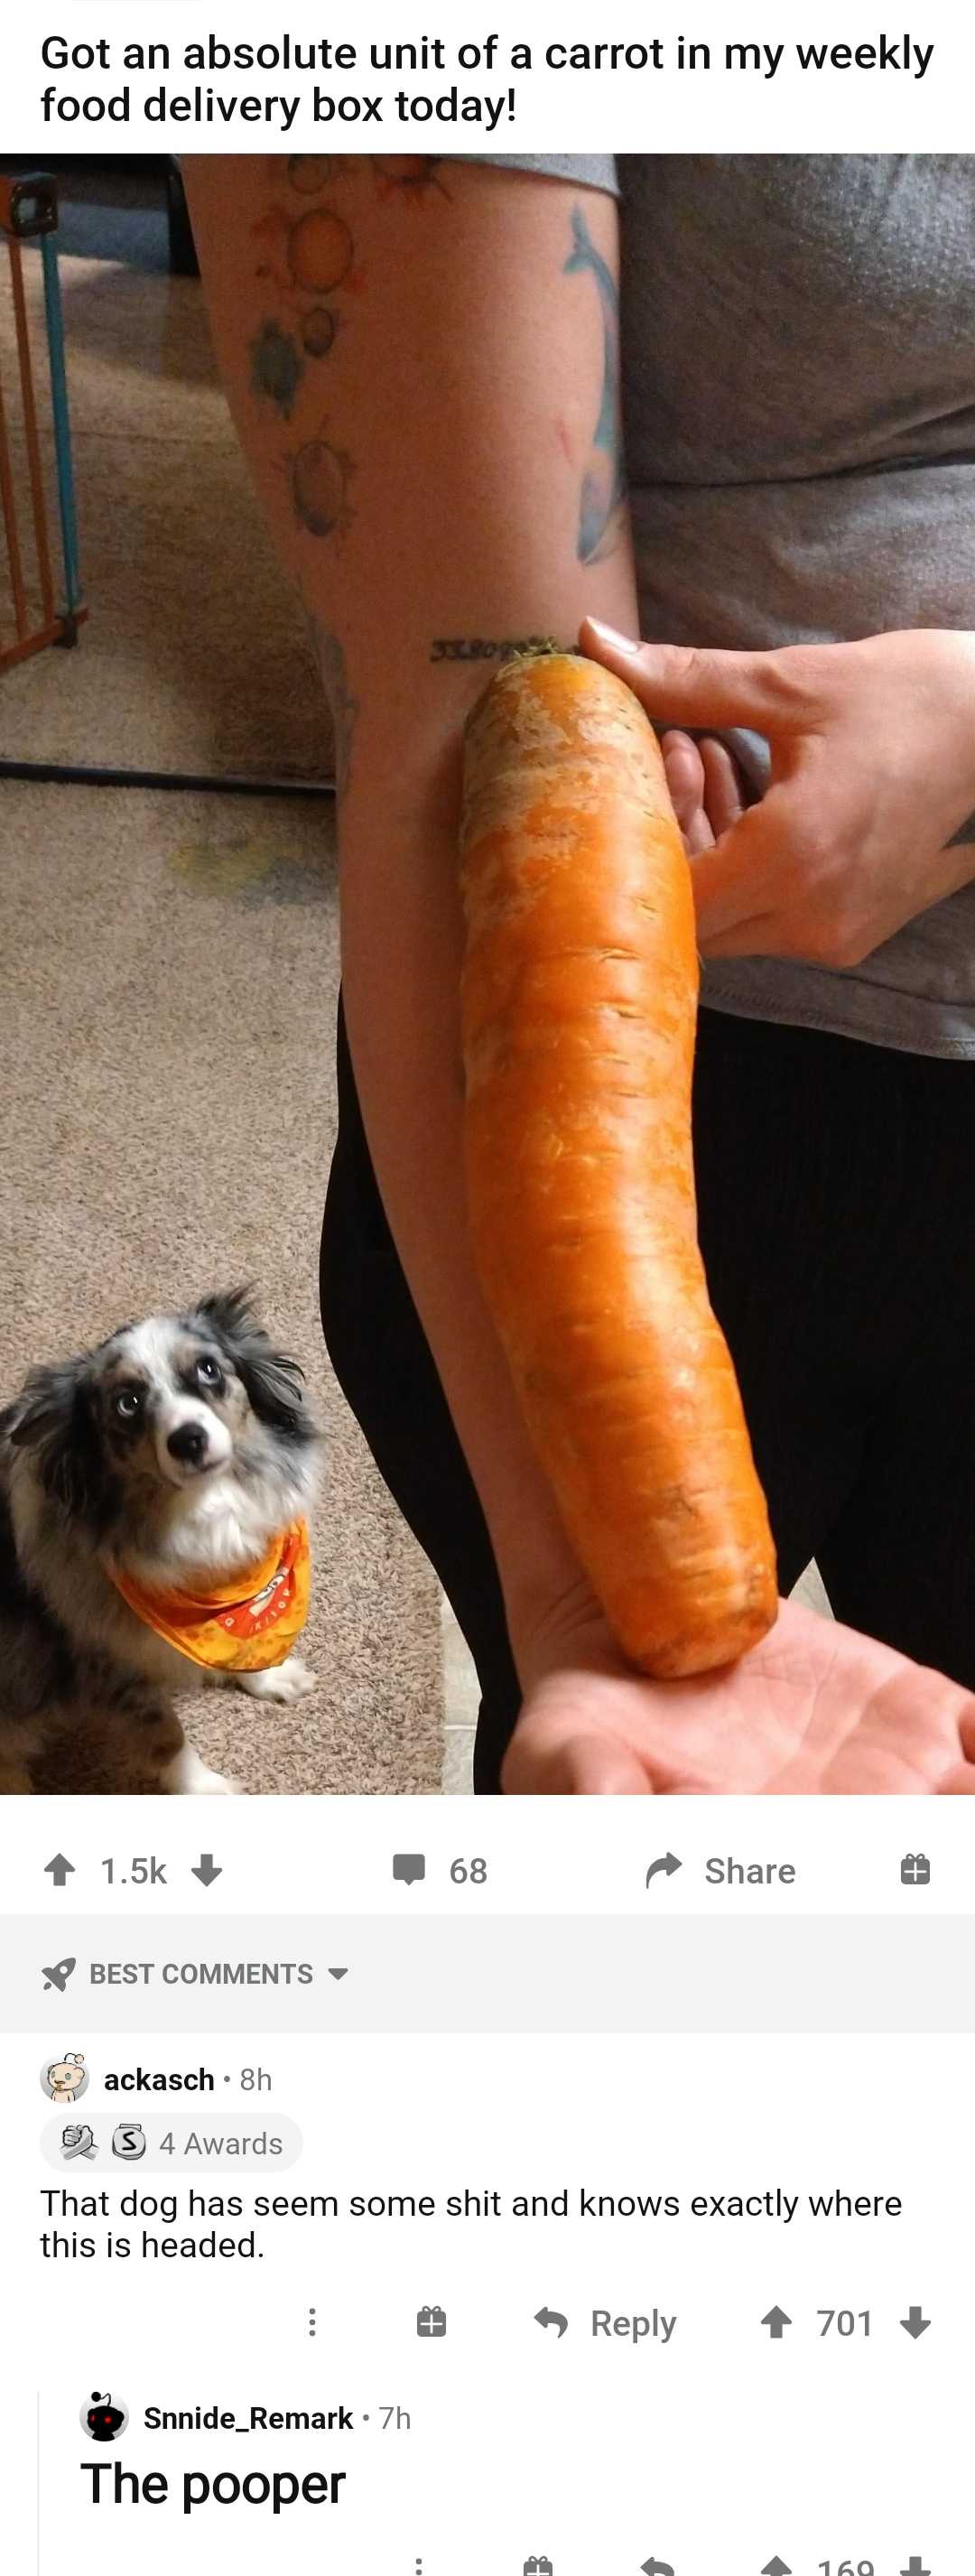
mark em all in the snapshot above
pixel 836 1185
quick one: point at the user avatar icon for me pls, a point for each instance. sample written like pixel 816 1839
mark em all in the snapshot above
pixel 65 2080
pixel 101 2420
pixel 129 2141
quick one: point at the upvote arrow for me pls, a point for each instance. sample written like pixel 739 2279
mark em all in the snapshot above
pixel 776 2321
pixel 206 1869
pixel 914 2568
pixel 59 1870
pixel 776 2567
pixel 915 2323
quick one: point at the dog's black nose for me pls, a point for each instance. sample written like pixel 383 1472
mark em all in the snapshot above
pixel 188 1443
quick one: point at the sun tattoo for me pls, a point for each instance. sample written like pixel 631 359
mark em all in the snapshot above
pixel 313 252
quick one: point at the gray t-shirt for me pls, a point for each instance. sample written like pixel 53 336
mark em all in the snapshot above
pixel 799 407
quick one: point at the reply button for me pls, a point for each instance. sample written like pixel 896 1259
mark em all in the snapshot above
pixel 636 2329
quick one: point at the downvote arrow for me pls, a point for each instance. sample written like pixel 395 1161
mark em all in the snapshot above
pixel 206 1869
pixel 915 2323
pixel 776 2320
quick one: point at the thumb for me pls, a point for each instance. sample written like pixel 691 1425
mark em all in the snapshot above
pixel 679 685
pixel 574 1763
pixel 603 1770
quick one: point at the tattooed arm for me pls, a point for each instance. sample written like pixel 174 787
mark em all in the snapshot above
pixel 422 360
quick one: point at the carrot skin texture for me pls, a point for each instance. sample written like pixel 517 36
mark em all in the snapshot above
pixel 579 1005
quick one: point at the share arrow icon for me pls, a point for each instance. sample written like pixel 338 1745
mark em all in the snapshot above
pixel 668 1862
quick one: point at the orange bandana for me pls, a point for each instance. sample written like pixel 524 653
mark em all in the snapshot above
pixel 241 1629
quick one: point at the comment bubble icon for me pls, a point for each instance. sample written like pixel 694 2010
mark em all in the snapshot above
pixel 409 1866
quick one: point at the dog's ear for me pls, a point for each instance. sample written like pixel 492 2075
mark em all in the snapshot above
pixel 272 1382
pixel 45 1407
pixel 53 1415
pixel 230 1311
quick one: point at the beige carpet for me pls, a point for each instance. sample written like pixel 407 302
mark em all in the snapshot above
pixel 170 965
pixel 195 655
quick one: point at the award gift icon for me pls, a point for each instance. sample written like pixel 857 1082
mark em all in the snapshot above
pixel 915 1870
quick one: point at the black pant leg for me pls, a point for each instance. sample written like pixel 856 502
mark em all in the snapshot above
pixel 900 1561
pixel 791 1187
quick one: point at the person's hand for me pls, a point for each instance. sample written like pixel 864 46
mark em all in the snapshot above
pixel 707 790
pixel 815 1710
pixel 873 770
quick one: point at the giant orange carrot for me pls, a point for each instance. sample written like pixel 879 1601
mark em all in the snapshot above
pixel 579 1007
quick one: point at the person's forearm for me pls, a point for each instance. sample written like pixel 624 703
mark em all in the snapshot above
pixel 401 970
pixel 437 446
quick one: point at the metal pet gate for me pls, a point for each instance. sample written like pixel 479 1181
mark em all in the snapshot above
pixel 45 609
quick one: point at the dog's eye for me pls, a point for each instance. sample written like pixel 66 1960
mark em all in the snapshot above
pixel 128 1403
pixel 209 1374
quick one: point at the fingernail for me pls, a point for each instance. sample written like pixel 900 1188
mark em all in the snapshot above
pixel 609 635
